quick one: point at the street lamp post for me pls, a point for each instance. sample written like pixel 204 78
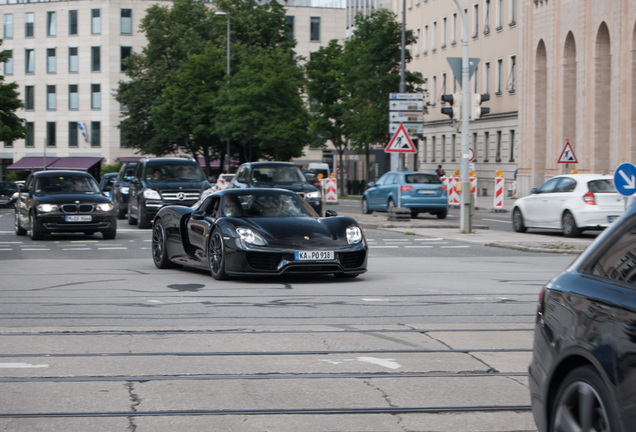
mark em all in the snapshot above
pixel 222 12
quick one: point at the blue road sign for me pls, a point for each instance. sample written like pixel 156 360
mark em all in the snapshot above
pixel 625 179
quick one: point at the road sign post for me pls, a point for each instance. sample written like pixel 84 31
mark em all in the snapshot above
pixel 405 109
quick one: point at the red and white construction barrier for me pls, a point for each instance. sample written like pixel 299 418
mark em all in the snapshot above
pixel 473 188
pixel 451 188
pixel 330 190
pixel 499 193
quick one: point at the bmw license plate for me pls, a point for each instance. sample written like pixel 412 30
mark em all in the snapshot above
pixel 79 218
pixel 314 255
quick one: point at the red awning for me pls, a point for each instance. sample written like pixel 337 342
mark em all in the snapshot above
pixel 75 163
pixel 28 163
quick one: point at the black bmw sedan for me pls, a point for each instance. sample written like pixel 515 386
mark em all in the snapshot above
pixel 248 232
pixel 63 202
pixel 583 371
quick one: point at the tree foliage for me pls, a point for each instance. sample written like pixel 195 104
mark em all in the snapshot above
pixel 11 126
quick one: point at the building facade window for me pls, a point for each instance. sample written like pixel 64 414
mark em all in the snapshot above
pixel 51 103
pixel 8 144
pixel 51 24
pixel 8 63
pixel 289 22
pixel 29 22
pixel 499 76
pixel 96 96
pixel 72 22
pixel 29 140
pixel 50 134
pixel 125 52
pixel 425 40
pixel 51 61
pixel 498 148
pixel 434 37
pixel 475 21
pixel 433 148
pixel 454 29
pixel 487 77
pixel 96 21
pixel 73 60
pixel 29 98
pixel 512 76
pixel 96 61
pixel 486 146
pixel 73 140
pixel 125 21
pixel 7 29
pixel 513 12
pixel 486 17
pixel 314 29
pixel 499 14
pixel 29 61
pixel 444 32
pixel 453 148
pixel 96 134
pixel 512 145
pixel 73 97
pixel 475 145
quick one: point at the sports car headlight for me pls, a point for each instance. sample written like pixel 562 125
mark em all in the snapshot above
pixel 312 195
pixel 249 236
pixel 105 207
pixel 47 208
pixel 354 235
pixel 151 194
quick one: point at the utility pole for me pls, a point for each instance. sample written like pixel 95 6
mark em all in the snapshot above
pixel 465 209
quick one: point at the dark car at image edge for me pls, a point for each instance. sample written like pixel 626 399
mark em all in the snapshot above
pixel 583 371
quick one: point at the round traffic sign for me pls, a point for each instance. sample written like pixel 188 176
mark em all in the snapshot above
pixel 625 179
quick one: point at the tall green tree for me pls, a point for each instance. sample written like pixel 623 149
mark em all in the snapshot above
pixel 327 94
pixel 372 61
pixel 11 126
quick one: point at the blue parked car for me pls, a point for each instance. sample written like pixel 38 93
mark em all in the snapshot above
pixel 108 184
pixel 419 192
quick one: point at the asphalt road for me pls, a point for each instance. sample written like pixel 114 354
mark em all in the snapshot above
pixel 435 336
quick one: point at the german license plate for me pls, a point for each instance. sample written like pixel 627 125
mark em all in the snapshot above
pixel 79 218
pixel 426 192
pixel 314 255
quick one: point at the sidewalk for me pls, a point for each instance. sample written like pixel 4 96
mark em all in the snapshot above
pixel 429 225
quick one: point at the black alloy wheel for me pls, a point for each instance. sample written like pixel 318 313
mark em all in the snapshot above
pixel 35 233
pixel 216 256
pixel 159 252
pixel 569 225
pixel 517 221
pixel 583 403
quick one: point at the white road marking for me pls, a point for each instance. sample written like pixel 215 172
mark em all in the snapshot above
pixel 387 363
pixel 21 365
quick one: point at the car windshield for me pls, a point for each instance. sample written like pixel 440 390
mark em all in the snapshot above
pixel 8 188
pixel 66 183
pixel 422 179
pixel 277 175
pixel 129 171
pixel 173 172
pixel 603 185
pixel 266 204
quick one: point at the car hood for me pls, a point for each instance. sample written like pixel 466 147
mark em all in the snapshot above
pixel 301 233
pixel 69 198
pixel 199 185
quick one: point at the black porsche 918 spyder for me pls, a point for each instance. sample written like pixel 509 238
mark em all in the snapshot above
pixel 257 232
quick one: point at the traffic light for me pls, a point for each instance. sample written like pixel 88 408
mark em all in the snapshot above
pixel 455 110
pixel 476 110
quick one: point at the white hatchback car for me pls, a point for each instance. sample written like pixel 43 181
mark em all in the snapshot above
pixel 571 203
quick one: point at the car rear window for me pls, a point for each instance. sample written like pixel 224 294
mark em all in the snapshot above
pixel 422 179
pixel 599 186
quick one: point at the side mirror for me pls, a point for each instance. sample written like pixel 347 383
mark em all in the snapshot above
pixel 198 215
pixel 371 184
pixel 331 213
pixel 534 191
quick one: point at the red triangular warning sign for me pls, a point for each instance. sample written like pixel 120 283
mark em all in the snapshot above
pixel 567 155
pixel 401 142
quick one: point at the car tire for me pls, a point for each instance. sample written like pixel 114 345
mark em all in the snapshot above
pixel 216 255
pixel 390 204
pixel 568 225
pixel 442 214
pixel 583 387
pixel 143 221
pixel 517 221
pixel 18 229
pixel 132 220
pixel 35 233
pixel 414 213
pixel 365 206
pixel 159 243
pixel 109 235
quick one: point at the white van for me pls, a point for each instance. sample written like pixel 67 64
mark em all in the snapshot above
pixel 320 168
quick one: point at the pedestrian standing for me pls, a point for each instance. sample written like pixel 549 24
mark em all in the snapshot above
pixel 440 171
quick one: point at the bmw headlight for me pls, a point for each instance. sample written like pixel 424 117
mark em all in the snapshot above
pixel 151 194
pixel 250 237
pixel 313 195
pixel 354 235
pixel 105 207
pixel 47 208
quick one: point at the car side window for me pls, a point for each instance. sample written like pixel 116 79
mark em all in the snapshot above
pixel 549 186
pixel 212 207
pixel 566 185
pixel 393 178
pixel 618 262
